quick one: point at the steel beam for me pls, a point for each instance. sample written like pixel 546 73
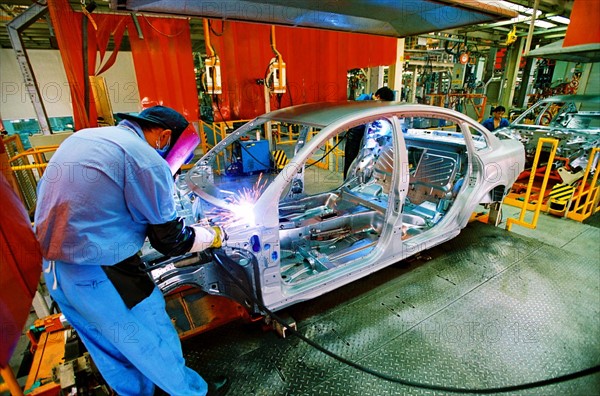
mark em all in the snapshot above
pixel 396 70
pixel 512 70
pixel 531 27
pixel 15 27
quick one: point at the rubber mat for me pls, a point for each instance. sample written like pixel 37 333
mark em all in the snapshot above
pixel 593 220
pixel 489 308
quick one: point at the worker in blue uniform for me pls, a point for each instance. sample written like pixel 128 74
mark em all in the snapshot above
pixel 103 192
pixel 496 120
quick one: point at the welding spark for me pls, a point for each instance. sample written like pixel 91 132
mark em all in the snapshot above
pixel 241 206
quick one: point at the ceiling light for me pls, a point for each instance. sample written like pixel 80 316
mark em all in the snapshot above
pixel 553 36
pixel 560 19
pixel 544 24
pixel 520 18
pixel 513 6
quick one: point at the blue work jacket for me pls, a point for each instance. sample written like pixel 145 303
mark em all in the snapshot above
pixel 99 192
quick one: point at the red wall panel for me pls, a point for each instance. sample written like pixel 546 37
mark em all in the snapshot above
pixel 317 62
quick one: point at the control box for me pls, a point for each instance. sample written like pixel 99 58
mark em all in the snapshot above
pixel 255 156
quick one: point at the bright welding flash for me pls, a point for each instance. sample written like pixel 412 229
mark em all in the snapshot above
pixel 244 211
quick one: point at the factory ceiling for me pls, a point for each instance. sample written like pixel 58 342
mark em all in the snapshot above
pixel 384 18
pixel 489 23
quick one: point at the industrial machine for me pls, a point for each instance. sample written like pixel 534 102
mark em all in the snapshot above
pixel 60 364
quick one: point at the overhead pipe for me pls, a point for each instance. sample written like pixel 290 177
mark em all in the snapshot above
pixel 545 31
pixel 138 28
pixel 274 46
pixel 277 67
pixel 212 64
pixel 207 38
pixel 531 26
pixel 519 19
pixel 455 40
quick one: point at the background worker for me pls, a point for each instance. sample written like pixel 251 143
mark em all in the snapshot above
pixel 355 135
pixel 103 191
pixel 496 121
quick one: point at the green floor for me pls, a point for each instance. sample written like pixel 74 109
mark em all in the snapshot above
pixel 487 309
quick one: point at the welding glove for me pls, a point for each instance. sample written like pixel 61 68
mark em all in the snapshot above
pixel 207 237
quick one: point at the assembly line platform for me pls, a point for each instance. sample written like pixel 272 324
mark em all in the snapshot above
pixel 489 308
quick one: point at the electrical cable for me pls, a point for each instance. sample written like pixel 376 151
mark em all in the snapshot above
pixel 267 74
pixel 162 33
pixel 213 30
pixel 289 91
pixel 325 155
pixel 216 100
pixel 387 377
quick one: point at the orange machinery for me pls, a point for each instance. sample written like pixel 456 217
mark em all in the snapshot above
pixel 58 362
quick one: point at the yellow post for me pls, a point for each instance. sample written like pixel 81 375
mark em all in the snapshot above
pixel 32 166
pixel 588 206
pixel 10 382
pixel 203 137
pixel 538 206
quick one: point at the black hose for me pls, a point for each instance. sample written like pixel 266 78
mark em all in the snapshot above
pixel 325 155
pixel 401 381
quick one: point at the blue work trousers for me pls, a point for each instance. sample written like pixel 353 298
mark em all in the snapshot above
pixel 134 349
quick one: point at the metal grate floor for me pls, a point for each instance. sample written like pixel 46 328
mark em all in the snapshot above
pixel 486 309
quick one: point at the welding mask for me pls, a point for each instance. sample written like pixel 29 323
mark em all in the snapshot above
pixel 183 149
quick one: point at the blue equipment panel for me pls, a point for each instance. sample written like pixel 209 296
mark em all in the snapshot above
pixel 255 156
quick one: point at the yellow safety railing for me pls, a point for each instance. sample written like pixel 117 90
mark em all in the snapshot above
pixel 538 205
pixel 27 167
pixel 38 157
pixel 10 382
pixel 283 134
pixel 218 132
pixel 31 166
pixel 337 154
pixel 582 211
pixel 333 152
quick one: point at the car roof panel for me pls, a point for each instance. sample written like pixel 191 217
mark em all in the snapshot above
pixel 325 113
pixel 573 98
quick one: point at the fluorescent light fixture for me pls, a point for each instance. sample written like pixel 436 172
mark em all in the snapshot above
pixel 513 6
pixel 544 24
pixel 520 18
pixel 560 19
pixel 516 7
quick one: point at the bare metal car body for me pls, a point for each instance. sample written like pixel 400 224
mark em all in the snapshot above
pixel 572 119
pixel 295 235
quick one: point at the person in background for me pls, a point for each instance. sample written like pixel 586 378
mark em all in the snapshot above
pixel 496 121
pixel 383 93
pixel 355 135
pixel 103 192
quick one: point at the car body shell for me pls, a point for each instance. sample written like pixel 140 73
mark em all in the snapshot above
pixel 290 245
pixel 572 119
